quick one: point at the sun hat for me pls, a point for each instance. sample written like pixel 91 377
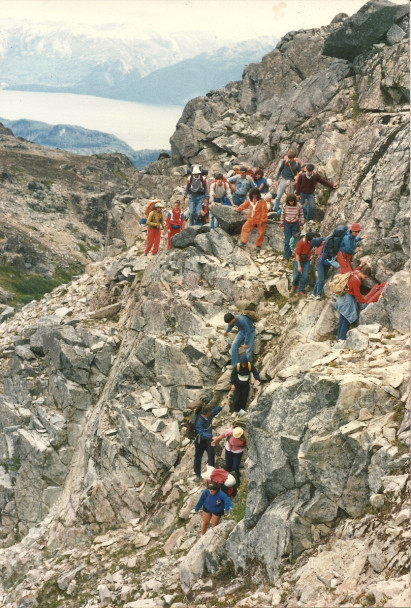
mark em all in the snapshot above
pixel 238 432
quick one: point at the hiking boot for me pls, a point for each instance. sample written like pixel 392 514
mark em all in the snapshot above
pixel 242 245
pixel 258 249
pixel 317 297
pixel 198 478
pixel 293 288
pixel 241 412
pixel 302 294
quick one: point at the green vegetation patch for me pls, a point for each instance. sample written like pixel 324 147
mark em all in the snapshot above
pixel 238 512
pixel 28 287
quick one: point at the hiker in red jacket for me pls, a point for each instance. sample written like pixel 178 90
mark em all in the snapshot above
pixel 174 222
pixel 347 304
pixel 305 185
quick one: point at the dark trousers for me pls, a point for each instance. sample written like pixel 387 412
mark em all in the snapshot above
pixel 240 397
pixel 342 328
pixel 204 445
pixel 232 461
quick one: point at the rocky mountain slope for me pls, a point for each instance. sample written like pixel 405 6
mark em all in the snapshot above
pixel 96 484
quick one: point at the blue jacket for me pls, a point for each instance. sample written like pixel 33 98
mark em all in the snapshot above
pixel 349 243
pixel 214 503
pixel 242 185
pixel 204 425
pixel 288 171
pixel 245 325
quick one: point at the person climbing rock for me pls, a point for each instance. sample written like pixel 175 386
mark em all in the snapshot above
pixel 214 502
pixel 347 304
pixel 245 336
pixel 220 192
pixel 241 378
pixel 327 252
pixel 174 222
pixel 285 177
pixel 155 222
pixel 203 436
pixel 197 192
pixel 302 262
pixel 349 247
pixel 256 218
pixel 305 185
pixel 243 183
pixel 292 221
pixel 234 448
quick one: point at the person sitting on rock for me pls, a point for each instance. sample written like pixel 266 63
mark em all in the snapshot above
pixel 197 192
pixel 302 260
pixel 241 378
pixel 243 183
pixel 203 437
pixel 260 181
pixel 220 192
pixel 305 185
pixel 347 304
pixel 256 218
pixel 155 222
pixel 174 221
pixel 234 448
pixel 245 336
pixel 214 502
pixel 288 171
pixel 349 247
pixel 292 221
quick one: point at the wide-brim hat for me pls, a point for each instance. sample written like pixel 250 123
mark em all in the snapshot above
pixel 238 432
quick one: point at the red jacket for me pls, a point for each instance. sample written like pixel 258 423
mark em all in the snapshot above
pixel 353 287
pixel 303 250
pixel 175 218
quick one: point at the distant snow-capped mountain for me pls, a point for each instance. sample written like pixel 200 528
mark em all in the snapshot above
pixel 160 70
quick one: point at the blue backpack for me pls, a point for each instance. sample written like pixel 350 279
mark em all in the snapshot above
pixel 332 243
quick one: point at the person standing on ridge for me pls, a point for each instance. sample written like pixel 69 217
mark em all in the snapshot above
pixel 305 185
pixel 174 221
pixel 288 171
pixel 256 218
pixel 243 183
pixel 197 192
pixel 155 222
pixel 245 336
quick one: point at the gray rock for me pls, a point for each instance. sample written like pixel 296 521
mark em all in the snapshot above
pixel 6 313
pixel 187 237
pixel 229 219
pixel 362 30
pixel 356 340
pixel 395 34
pixel 390 311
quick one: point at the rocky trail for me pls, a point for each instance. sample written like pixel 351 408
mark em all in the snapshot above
pixel 96 474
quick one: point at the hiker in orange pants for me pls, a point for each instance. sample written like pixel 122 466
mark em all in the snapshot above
pixel 256 218
pixel 155 222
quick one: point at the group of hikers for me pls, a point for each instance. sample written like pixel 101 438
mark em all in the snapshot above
pixel 245 190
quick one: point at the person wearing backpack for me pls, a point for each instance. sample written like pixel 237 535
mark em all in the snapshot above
pixel 234 448
pixel 302 260
pixel 329 251
pixel 291 221
pixel 243 183
pixel 240 383
pixel 348 247
pixel 305 185
pixel 174 222
pixel 197 192
pixel 220 192
pixel 155 222
pixel 214 502
pixel 245 336
pixel 286 175
pixel 203 436
pixel 347 304
pixel 256 218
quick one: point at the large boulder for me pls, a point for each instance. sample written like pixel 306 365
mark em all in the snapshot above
pixel 186 237
pixel 362 30
pixel 392 309
pixel 229 219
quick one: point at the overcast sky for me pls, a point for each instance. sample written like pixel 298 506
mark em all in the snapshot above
pixel 235 19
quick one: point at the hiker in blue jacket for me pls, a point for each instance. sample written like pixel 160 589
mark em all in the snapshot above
pixel 214 502
pixel 203 437
pixel 286 174
pixel 243 183
pixel 245 336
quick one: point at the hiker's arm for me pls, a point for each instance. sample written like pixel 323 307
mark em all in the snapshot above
pixel 325 182
pixel 228 505
pixel 228 329
pixel 200 501
pixel 255 373
pixel 297 185
pixel 244 206
pixel 281 167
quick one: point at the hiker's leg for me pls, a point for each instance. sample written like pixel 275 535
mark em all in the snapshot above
pixel 287 236
pixel 245 231
pixel 305 266
pixel 237 400
pixel 229 460
pixel 280 191
pixel 342 328
pixel 322 271
pixel 236 463
pixel 250 346
pixel 157 238
pixel 243 396
pixel 150 239
pixel 199 447
pixel 210 452
pixel 296 274
pixel 215 520
pixel 261 233
pixel 238 341
pixel 310 205
pixel 205 522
